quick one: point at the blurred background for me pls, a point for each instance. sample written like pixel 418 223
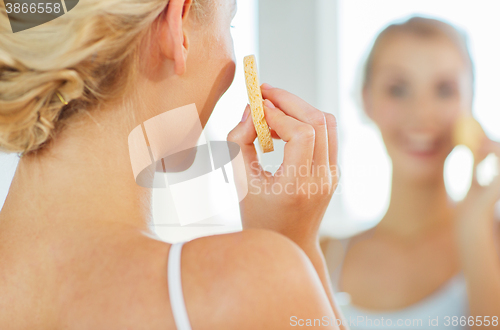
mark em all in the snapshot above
pixel 316 49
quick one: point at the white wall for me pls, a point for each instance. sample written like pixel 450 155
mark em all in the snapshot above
pixel 299 52
pixel 8 165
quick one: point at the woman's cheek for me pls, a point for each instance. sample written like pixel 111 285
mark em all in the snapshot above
pixel 447 114
pixel 386 113
pixel 390 124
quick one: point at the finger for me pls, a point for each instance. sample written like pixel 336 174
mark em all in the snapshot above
pixel 331 124
pixel 299 138
pixel 494 187
pixel 299 109
pixel 486 148
pixel 244 135
pixel 274 135
pixel 495 148
pixel 493 190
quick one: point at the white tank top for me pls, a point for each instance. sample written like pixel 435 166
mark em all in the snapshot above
pixel 446 308
pixel 175 288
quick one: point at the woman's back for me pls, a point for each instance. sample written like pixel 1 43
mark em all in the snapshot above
pixel 119 277
pixel 56 277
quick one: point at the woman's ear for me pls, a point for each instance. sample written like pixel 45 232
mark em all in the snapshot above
pixel 173 41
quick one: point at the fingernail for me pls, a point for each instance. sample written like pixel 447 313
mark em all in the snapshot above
pixel 269 104
pixel 266 86
pixel 246 113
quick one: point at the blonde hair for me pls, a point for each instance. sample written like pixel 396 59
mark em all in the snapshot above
pixel 423 27
pixel 85 55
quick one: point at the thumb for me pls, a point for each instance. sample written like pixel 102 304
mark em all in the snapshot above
pixel 244 135
pixel 491 191
pixel 486 148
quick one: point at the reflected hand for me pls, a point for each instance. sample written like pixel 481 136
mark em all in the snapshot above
pixel 476 213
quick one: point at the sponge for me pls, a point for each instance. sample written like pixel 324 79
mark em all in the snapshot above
pixel 468 132
pixel 257 104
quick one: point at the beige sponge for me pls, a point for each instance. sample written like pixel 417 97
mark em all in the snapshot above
pixel 256 104
pixel 468 131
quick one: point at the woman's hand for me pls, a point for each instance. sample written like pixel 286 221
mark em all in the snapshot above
pixel 294 199
pixel 477 233
pixel 476 213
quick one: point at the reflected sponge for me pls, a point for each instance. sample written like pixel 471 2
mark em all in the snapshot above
pixel 467 131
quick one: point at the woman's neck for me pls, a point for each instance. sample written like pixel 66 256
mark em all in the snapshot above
pixel 416 207
pixel 84 176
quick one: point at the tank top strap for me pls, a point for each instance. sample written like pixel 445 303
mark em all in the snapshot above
pixel 175 287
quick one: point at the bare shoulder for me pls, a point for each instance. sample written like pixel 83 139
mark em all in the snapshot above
pixel 255 279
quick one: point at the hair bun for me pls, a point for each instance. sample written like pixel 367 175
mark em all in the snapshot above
pixel 30 107
pixel 60 59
